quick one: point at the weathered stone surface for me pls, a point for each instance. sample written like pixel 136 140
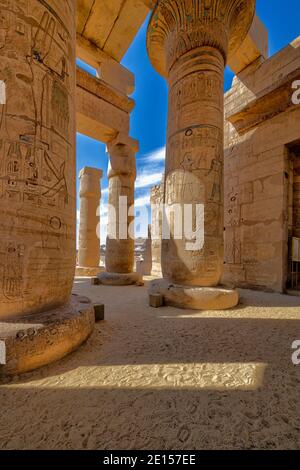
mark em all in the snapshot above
pixel 220 24
pixel 194 298
pixel 119 256
pixel 37 156
pixel 296 196
pixel 156 300
pixel 99 310
pixel 109 70
pixel 254 47
pixel 39 339
pixel 157 199
pixel 262 155
pixel 189 45
pixel 89 242
pixel 88 272
pixel 111 24
pixel 102 111
pixel 95 281
pixel 120 279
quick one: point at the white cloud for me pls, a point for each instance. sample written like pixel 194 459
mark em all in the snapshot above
pixel 151 168
pixel 148 179
pixel 157 155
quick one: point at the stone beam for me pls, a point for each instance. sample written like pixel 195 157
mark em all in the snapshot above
pixel 111 24
pixel 255 46
pixel 108 69
pixel 102 111
pixel 275 100
pixel 255 97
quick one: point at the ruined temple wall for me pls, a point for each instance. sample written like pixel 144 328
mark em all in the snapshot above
pixel 258 172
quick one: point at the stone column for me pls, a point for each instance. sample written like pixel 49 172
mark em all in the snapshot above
pixel 144 263
pixel 189 43
pixel 157 199
pixel 296 198
pixel 119 257
pixel 89 242
pixel 38 183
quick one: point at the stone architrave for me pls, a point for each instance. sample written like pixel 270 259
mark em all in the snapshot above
pixel 89 243
pixel 119 255
pixel 189 44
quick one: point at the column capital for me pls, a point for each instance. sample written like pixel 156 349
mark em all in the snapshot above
pixel 90 171
pixel 123 139
pixel 179 26
pixel 90 182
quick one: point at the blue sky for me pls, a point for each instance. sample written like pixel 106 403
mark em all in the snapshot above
pixel 148 122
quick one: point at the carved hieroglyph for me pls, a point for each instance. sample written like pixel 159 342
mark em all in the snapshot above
pixel 90 194
pixel 189 42
pixel 296 198
pixel 119 256
pixel 37 155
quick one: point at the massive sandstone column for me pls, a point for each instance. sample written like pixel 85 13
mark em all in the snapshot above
pixel 37 183
pixel 189 43
pixel 119 257
pixel 89 243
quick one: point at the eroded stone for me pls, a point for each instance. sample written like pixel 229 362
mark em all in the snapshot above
pixel 194 298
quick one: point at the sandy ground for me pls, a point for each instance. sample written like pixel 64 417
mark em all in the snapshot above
pixel 165 379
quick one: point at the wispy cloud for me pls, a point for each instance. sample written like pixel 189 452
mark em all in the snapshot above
pixel 156 156
pixel 146 179
pixel 150 168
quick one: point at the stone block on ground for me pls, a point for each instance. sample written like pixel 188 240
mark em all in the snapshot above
pixel 99 312
pixel 156 300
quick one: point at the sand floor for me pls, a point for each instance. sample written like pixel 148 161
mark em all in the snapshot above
pixel 165 379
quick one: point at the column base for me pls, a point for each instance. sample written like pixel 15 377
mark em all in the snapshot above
pixel 88 272
pixel 118 279
pixel 36 340
pixel 193 297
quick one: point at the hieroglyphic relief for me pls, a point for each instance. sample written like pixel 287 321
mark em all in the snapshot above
pixel 37 187
pixel 119 256
pixel 180 26
pixel 157 200
pixel 198 86
pixel 194 174
pixel 188 42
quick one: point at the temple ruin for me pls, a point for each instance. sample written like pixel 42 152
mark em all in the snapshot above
pixel 242 169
